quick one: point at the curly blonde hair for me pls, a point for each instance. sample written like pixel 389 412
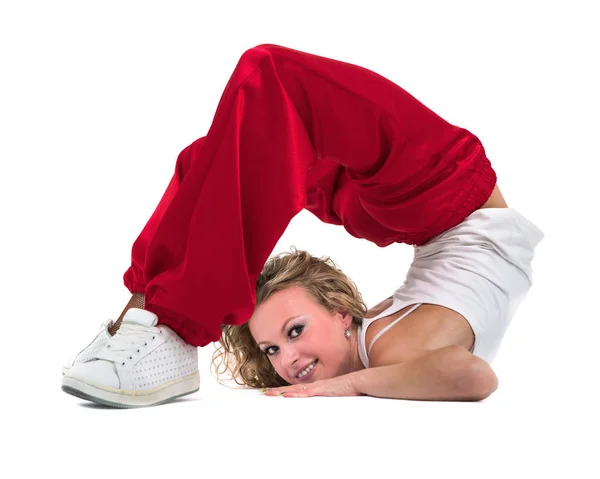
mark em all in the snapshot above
pixel 320 277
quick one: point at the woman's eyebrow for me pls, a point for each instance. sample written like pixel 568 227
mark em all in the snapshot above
pixel 285 324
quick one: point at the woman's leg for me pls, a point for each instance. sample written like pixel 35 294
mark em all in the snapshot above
pixel 294 130
pixel 134 277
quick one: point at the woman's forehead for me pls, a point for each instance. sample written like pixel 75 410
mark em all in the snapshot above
pixel 279 309
pixel 288 301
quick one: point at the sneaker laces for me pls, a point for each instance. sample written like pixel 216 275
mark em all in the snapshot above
pixel 106 325
pixel 128 339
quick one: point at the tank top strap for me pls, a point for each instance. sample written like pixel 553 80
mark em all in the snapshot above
pixel 378 335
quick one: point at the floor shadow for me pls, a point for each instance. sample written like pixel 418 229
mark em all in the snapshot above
pixel 94 405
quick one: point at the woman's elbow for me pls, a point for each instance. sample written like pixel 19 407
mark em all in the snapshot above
pixel 480 381
pixel 473 378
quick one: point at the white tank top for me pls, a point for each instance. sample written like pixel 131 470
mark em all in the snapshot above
pixel 362 330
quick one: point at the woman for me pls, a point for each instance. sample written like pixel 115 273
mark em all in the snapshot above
pixel 292 131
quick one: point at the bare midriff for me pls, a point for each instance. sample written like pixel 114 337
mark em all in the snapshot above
pixel 496 200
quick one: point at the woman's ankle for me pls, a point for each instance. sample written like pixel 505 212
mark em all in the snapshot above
pixel 138 300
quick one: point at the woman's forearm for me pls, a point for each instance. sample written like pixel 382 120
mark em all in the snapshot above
pixel 445 374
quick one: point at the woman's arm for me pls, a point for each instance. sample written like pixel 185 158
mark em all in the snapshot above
pixel 450 373
pixel 446 374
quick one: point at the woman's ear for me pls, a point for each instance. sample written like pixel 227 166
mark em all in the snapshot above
pixel 347 320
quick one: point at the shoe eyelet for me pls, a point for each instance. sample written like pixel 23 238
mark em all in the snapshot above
pixel 138 350
pixel 130 357
pixel 123 364
pixel 145 344
pixel 152 337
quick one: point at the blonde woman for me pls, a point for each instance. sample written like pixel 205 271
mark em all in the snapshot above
pixel 296 131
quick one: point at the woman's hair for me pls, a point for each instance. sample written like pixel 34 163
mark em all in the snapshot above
pixel 320 277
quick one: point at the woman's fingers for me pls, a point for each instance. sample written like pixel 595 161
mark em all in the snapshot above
pixel 296 390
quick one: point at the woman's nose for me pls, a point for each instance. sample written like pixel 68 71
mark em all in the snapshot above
pixel 289 359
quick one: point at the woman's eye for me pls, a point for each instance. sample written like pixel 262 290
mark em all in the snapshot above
pixel 298 328
pixel 267 351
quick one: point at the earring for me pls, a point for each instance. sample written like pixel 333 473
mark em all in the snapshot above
pixel 347 333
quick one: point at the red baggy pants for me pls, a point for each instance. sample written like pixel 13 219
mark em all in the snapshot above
pixel 294 130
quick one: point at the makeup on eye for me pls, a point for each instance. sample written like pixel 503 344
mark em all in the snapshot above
pixel 300 327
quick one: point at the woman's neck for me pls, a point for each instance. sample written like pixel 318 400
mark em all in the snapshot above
pixel 355 361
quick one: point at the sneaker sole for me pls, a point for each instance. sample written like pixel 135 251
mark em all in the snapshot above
pixel 131 399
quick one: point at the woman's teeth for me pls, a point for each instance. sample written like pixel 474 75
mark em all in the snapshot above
pixel 307 370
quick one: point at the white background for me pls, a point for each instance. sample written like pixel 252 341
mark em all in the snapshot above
pixel 96 101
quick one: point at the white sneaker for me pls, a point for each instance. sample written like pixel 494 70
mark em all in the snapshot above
pixel 141 365
pixel 90 351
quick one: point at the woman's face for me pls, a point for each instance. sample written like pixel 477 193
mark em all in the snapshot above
pixel 313 334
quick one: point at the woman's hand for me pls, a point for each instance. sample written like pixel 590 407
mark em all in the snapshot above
pixel 338 386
